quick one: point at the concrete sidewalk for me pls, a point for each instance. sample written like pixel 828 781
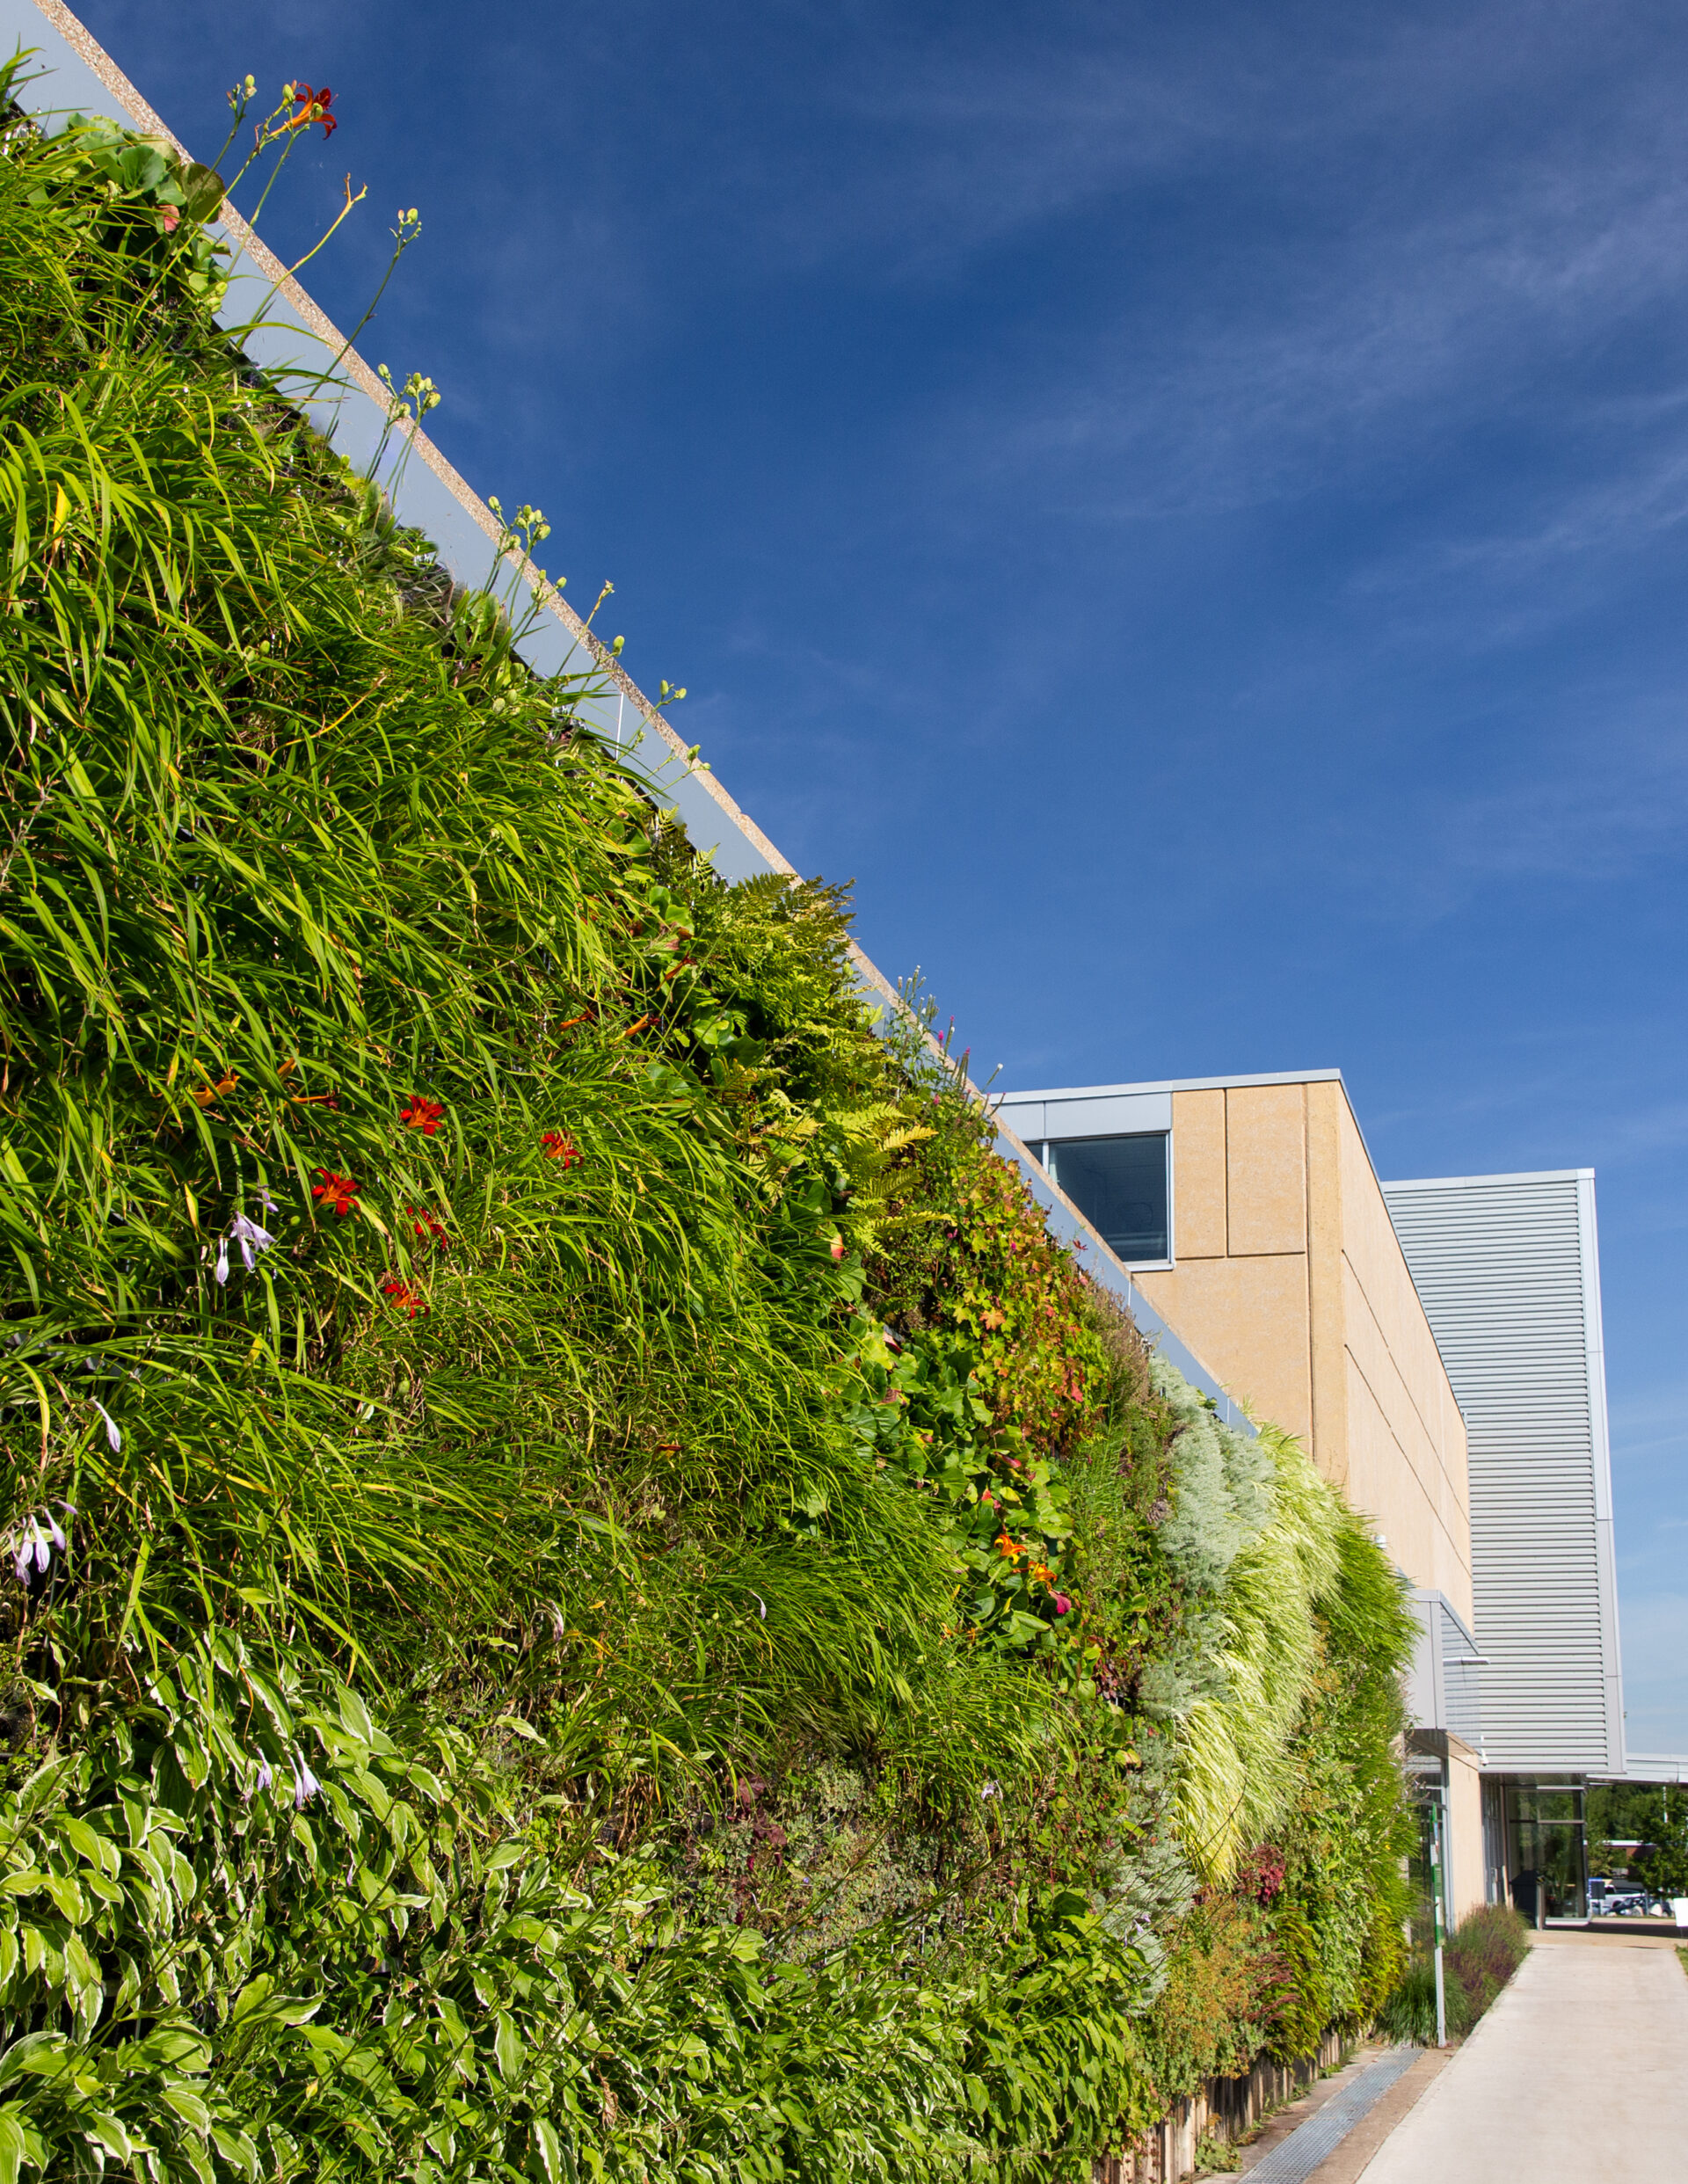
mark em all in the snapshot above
pixel 1577 2075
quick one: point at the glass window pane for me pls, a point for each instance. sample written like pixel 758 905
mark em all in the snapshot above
pixel 1120 1185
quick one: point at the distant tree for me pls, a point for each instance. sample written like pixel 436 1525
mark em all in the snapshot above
pixel 1625 1812
pixel 1662 1818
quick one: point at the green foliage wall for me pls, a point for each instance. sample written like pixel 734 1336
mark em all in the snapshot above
pixel 592 1594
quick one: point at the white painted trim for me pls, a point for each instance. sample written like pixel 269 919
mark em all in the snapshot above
pixel 1175 1084
pixel 1600 1435
pixel 1645 1766
pixel 1484 1182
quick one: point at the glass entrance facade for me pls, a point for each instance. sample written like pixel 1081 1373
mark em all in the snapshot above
pixel 1547 1849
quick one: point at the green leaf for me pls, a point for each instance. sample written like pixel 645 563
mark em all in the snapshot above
pixel 94 1847
pixel 251 1997
pixel 176 2093
pixel 546 2143
pixel 235 2148
pixel 109 2132
pixel 202 189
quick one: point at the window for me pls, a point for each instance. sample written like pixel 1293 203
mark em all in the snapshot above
pixel 1551 1854
pixel 1119 1184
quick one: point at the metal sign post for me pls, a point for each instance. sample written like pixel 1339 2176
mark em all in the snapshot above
pixel 1437 1909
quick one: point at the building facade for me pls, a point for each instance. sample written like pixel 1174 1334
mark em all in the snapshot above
pixel 1436 1344
pixel 1248 1212
pixel 1509 1270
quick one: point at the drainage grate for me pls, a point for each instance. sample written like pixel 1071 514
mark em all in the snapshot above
pixel 1302 2152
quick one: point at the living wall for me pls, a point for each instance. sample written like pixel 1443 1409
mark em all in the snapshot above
pixel 589 1593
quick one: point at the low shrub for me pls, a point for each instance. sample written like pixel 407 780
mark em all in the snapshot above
pixel 1410 2014
pixel 1485 1951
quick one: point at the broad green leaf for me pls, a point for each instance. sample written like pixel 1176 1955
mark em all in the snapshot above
pixel 176 2093
pixel 549 2148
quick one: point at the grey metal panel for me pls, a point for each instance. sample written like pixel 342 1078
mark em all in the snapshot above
pixel 1025 1118
pixel 1117 1116
pixel 1508 1269
pixel 1444 1682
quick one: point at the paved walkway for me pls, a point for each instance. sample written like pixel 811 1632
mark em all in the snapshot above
pixel 1577 2075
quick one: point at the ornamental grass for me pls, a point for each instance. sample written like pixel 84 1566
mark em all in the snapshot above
pixel 589 1594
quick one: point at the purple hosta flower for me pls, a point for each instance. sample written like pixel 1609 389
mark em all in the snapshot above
pixel 113 1438
pixel 305 1785
pixel 30 1542
pixel 261 1781
pixel 252 1239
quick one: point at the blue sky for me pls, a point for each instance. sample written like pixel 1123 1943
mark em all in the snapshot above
pixel 1184 502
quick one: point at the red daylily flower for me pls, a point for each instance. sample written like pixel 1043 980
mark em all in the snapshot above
pixel 425 1226
pixel 336 1191
pixel 406 1299
pixel 559 1145
pixel 312 106
pixel 420 1114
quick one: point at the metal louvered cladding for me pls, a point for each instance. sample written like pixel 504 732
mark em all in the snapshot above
pixel 1444 1689
pixel 1462 1679
pixel 1507 1268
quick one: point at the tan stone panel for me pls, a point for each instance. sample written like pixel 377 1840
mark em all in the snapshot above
pixel 1327 1104
pixel 1247 1320
pixel 1382 1486
pixel 1198 1174
pixel 1426 1536
pixel 1266 1169
pixel 1466 1875
pixel 1379 1290
pixel 1431 1446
